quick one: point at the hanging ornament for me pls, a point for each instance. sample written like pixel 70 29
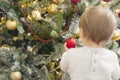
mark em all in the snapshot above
pixel 15 38
pixel 119 14
pixel 28 34
pixel 29 17
pixel 75 1
pixel 116 35
pixel 22 6
pixel 58 1
pixel 36 14
pixel 71 43
pixel 106 0
pixel 53 8
pixel 11 25
pixel 16 75
pixel 2 20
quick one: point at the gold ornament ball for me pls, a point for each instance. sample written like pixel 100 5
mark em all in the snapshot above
pixel 58 1
pixel 15 38
pixel 11 25
pixel 16 75
pixel 36 14
pixel 53 8
pixel 116 35
pixel 29 17
pixel 3 19
pixel 22 6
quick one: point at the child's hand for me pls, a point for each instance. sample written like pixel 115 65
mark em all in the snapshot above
pixel 65 47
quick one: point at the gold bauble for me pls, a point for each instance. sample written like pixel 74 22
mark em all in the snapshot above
pixel 15 38
pixel 116 35
pixel 22 6
pixel 16 75
pixel 115 38
pixel 29 17
pixel 11 25
pixel 36 14
pixel 3 19
pixel 58 1
pixel 53 8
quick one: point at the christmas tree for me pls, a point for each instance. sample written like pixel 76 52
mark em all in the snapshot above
pixel 32 34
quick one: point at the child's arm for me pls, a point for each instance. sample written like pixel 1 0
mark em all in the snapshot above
pixel 65 47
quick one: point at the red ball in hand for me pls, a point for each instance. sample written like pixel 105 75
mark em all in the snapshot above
pixel 119 14
pixel 75 1
pixel 71 43
pixel 107 0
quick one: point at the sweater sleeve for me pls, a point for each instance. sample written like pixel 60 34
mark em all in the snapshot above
pixel 116 72
pixel 64 63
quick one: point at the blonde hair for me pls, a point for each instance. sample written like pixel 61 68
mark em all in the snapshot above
pixel 98 23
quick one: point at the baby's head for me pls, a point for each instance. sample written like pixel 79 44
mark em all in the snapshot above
pixel 98 23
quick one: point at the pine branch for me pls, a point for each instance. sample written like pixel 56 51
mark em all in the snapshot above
pixel 5 4
pixel 115 5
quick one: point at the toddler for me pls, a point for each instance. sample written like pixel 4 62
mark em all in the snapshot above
pixel 92 61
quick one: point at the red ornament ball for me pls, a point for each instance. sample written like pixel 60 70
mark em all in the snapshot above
pixel 119 14
pixel 107 0
pixel 75 1
pixel 71 43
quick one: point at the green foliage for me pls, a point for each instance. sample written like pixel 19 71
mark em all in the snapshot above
pixel 5 4
pixel 115 4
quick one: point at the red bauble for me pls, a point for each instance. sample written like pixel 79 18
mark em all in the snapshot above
pixel 107 0
pixel 71 43
pixel 119 14
pixel 75 1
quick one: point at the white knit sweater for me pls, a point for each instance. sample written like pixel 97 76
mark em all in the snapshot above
pixel 90 64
